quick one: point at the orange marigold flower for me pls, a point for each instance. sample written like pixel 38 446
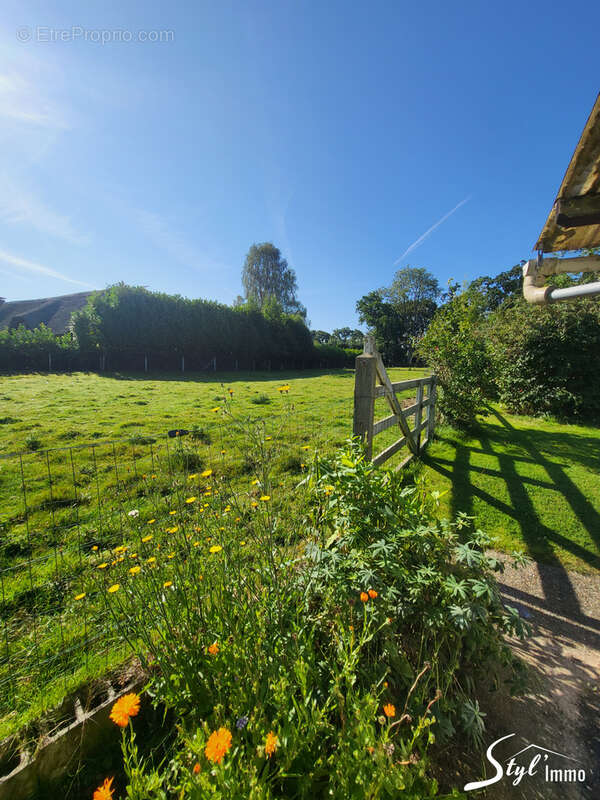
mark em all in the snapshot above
pixel 389 710
pixel 372 594
pixel 104 792
pixel 364 597
pixel 270 744
pixel 219 742
pixel 213 648
pixel 125 707
pixel 196 768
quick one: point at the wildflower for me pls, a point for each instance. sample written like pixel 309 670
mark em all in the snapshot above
pixel 385 684
pixel 171 555
pixel 227 508
pixel 125 707
pixel 133 555
pixel 151 560
pixel 213 648
pixel 191 477
pixel 238 519
pixel 191 500
pixel 121 548
pixel 133 513
pixel 389 710
pixel 254 504
pixel 364 597
pixel 216 548
pixel 104 565
pixel 94 547
pixel 196 544
pixel 80 596
pixel 242 543
pixel 219 742
pixel 268 438
pixel 104 792
pixel 153 476
pixel 174 529
pixel 265 498
pixel 305 447
pixel 372 594
pixel 151 522
pixel 302 466
pixel 255 482
pixel 207 473
pixel 172 512
pixel 114 588
pixel 270 744
pixel 166 584
pixel 223 452
pixel 134 570
pixel 147 538
pixel 241 723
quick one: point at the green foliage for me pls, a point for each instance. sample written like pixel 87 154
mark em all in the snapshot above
pixel 401 313
pixel 23 349
pixel 266 277
pixel 546 358
pixel 454 346
pixel 261 633
pixel 503 289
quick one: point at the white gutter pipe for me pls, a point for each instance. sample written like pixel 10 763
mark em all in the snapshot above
pixel 537 270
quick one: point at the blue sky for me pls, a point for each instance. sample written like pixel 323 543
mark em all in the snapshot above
pixel 340 131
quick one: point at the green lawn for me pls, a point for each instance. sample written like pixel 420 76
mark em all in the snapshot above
pixel 532 483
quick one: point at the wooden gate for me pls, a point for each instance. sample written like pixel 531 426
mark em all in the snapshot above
pixel 369 369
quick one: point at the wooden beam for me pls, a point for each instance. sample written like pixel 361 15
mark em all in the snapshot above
pixel 394 403
pixel 364 400
pixel 574 212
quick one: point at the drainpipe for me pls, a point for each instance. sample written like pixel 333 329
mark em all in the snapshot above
pixel 537 270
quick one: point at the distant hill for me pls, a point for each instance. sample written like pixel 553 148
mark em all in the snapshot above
pixel 54 312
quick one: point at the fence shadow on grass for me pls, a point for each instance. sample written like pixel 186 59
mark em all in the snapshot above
pixel 511 448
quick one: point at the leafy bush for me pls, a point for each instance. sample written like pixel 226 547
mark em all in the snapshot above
pixel 454 347
pixel 314 660
pixel 260 400
pixel 546 358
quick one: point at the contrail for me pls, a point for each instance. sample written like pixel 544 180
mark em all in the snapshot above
pixel 40 269
pixel 429 231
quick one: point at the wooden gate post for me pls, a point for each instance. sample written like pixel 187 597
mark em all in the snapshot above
pixel 418 418
pixel 364 400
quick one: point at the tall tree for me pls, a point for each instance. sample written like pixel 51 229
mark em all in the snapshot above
pixel 400 313
pixel 266 275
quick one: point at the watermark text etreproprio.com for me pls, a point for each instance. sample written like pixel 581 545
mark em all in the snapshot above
pixel 77 33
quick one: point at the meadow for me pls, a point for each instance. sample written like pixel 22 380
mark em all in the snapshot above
pixel 90 481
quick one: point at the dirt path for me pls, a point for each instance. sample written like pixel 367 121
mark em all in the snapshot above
pixel 562 712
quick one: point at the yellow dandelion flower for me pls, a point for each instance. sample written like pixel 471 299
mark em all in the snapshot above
pixel 133 555
pixel 268 438
pixel 242 543
pixel 215 409
pixel 255 482
pixel 223 452
pixel 191 500
pixel 216 548
pixel 254 504
pixel 94 547
pixel 191 477
pixel 134 570
pixel 305 447
pixel 80 596
pixel 166 584
pixel 171 555
pixel 265 498
pixel 104 565
pixel 151 522
pixel 238 519
pixel 207 473
pixel 172 512
pixel 147 538
pixel 151 560
pixel 196 544
pixel 114 588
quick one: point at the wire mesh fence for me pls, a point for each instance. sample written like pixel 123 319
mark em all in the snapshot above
pixel 68 513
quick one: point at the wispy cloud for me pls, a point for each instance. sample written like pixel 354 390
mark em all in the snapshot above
pixel 21 102
pixel 24 265
pixel 20 206
pixel 429 231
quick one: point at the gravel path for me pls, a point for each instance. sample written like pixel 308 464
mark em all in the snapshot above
pixel 562 712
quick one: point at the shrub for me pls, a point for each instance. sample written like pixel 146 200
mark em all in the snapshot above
pixel 32 443
pixel 546 358
pixel 454 347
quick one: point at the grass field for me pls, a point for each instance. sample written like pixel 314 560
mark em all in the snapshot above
pixel 64 511
pixel 532 483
